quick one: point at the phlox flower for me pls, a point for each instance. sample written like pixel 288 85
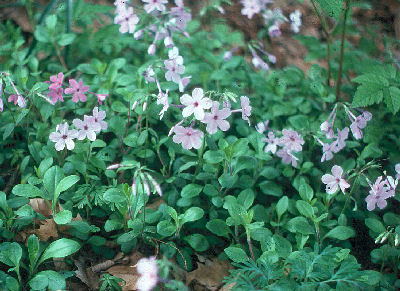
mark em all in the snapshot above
pixel 18 100
pixel 126 19
pixel 358 123
pixel 57 81
pixel 162 99
pixel 148 270
pixel 152 49
pixel 156 185
pixel 195 104
pixel 295 21
pixel 397 169
pixel 334 181
pixel 87 128
pixel 180 17
pixel 378 194
pixel 327 126
pixel 154 5
pixel 101 98
pixel 328 149
pixel 56 94
pixel 98 117
pixel 262 126
pixel 272 143
pixel 149 74
pixel 246 108
pixel 250 7
pixel 189 137
pixel 291 140
pixel 63 137
pixel 274 30
pixel 342 135
pixel 78 90
pixel 1 105
pixel 183 83
pixel 174 71
pixel 287 157
pixel 259 63
pixel 216 119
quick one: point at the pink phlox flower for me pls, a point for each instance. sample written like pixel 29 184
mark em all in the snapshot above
pixel 358 123
pixel 154 5
pixel 272 58
pixel 259 63
pixel 149 74
pixel 295 21
pixel 87 128
pixel 262 126
pixel 246 108
pixel 173 54
pixel 57 81
pixel 287 157
pixel 188 137
pixel 274 30
pixel 216 119
pixel 101 98
pixel 397 169
pixel 120 5
pixel 342 135
pixel 78 90
pixel 272 143
pixel 148 270
pixel 174 71
pixel 152 49
pixel 126 19
pixel 195 104
pixel 183 83
pixel 18 100
pixel 168 42
pixel 328 149
pixel 56 95
pixel 98 117
pixel 327 126
pixel 334 181
pixel 391 185
pixel 63 137
pixel 291 140
pixel 378 194
pixel 250 7
pixel 228 55
pixel 162 99
pixel 172 130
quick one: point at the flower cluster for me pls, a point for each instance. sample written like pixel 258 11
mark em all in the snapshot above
pixel 148 270
pixel 77 89
pixel 196 105
pixel 16 97
pixel 382 189
pixel 357 124
pixel 87 128
pixel 291 142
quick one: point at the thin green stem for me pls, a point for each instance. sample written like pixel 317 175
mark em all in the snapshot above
pixel 348 197
pixel 339 79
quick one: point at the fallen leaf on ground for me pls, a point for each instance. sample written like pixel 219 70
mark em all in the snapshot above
pixel 210 274
pixel 46 229
pixel 86 275
pixel 127 273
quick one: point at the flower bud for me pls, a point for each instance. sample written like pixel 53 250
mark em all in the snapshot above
pixel 152 49
pixel 168 42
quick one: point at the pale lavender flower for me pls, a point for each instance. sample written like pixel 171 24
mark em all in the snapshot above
pixel 274 30
pixel 250 7
pixel 216 119
pixel 358 123
pixel 63 137
pixel 168 42
pixel 378 195
pixel 262 126
pixel 228 55
pixel 148 270
pixel 342 135
pixel 397 169
pixel 327 126
pixel 188 137
pixel 333 182
pixel 272 143
pixel 195 104
pixel 87 128
pixel 138 34
pixel 259 63
pixel 149 74
pixel 126 19
pixel 154 5
pixel 291 140
pixel 295 21
pixel 162 99
pixel 271 58
pixel 152 49
pixel 180 17
pixel 174 70
pixel 98 117
pixel 155 184
pixel 246 108
pixel 183 83
pixel 287 157
pixel 328 150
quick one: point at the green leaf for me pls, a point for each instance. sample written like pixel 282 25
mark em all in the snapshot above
pixel 8 129
pixel 375 225
pixel 301 225
pixel 227 180
pixel 63 217
pixel 50 279
pixel 198 242
pixel 305 209
pixel 114 195
pixel 332 7
pixel 51 22
pixel 66 39
pixel 218 227
pixel 236 254
pixel 282 206
pixel 52 178
pixel 214 157
pixel 27 190
pixel 33 249
pixel 392 99
pixel 166 228
pixel 10 254
pixel 306 192
pixel 192 214
pixel 191 190
pixel 341 233
pixel 65 184
pixel 60 249
pixel 172 212
pixel 370 91
pixel 45 165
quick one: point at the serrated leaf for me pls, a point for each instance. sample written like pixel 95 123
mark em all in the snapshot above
pixel 392 99
pixel 332 7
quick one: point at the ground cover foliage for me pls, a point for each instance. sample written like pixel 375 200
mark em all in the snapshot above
pixel 147 148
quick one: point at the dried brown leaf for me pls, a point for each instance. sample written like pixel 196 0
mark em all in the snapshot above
pixel 127 273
